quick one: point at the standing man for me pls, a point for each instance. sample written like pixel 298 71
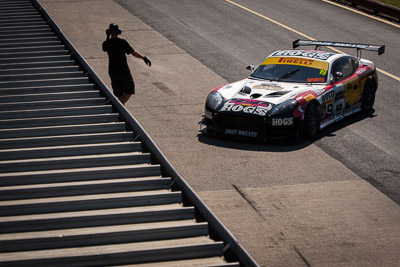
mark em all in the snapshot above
pixel 118 69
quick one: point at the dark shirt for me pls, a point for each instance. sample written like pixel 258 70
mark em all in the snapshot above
pixel 117 49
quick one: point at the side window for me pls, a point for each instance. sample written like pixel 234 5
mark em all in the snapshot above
pixel 347 65
pixel 354 62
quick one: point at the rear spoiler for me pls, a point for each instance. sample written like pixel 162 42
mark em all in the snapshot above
pixel 318 44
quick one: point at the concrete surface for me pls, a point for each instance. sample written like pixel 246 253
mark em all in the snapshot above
pixel 322 215
pixel 328 224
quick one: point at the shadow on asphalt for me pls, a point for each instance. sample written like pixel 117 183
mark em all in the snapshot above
pixel 285 145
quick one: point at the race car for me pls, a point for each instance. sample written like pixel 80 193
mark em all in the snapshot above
pixel 294 92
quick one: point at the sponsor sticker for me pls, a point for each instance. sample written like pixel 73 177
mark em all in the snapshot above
pixel 315 80
pixel 268 86
pixel 319 91
pixel 328 96
pixel 309 97
pixel 312 63
pixel 247 106
pixel 282 121
pixel 361 71
pixel 259 110
pixel 241 133
pixel 299 53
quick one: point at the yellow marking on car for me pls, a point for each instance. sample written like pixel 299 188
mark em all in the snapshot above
pixel 301 34
pixel 309 97
pixel 317 64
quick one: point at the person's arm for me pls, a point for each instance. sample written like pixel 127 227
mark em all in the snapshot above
pixel 107 38
pixel 145 59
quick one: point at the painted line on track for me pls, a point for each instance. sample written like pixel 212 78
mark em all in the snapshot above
pixel 362 13
pixel 302 34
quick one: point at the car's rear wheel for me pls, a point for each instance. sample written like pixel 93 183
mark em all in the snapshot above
pixel 368 95
pixel 312 119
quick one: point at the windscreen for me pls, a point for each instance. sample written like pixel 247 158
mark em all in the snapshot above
pixel 292 69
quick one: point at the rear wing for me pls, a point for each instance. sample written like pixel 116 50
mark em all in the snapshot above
pixel 318 44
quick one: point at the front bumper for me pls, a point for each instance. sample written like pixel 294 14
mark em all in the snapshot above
pixel 255 128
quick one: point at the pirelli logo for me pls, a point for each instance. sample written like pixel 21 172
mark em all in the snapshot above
pixel 312 63
pixel 297 61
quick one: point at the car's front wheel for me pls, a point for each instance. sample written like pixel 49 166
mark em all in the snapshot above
pixel 368 95
pixel 312 119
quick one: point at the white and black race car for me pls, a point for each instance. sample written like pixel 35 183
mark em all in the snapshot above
pixel 294 91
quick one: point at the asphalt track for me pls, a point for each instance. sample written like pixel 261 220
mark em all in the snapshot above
pixel 228 35
pixel 311 203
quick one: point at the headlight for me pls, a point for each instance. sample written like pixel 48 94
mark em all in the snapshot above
pixel 285 107
pixel 214 99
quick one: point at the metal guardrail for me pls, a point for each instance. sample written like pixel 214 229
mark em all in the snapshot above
pixel 232 247
pixel 376 7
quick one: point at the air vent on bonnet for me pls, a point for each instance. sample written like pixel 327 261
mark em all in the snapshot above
pixel 255 96
pixel 246 90
pixel 278 93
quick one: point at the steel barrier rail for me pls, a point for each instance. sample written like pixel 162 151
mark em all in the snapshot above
pixel 232 247
pixel 376 6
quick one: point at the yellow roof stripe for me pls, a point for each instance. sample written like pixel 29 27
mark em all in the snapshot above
pixel 306 62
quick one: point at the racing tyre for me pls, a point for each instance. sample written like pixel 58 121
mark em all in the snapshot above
pixel 368 96
pixel 312 119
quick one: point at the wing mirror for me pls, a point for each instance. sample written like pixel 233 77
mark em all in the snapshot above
pixel 250 68
pixel 336 76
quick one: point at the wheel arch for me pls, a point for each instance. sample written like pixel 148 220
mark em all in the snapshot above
pixel 309 130
pixel 373 79
pixel 319 106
